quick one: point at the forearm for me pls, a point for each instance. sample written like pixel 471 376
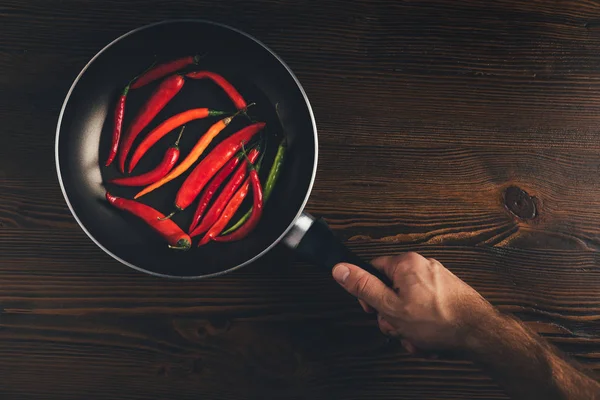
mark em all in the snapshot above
pixel 526 365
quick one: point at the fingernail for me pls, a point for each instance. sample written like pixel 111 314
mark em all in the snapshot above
pixel 340 273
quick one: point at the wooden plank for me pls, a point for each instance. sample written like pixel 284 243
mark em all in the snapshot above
pixel 427 112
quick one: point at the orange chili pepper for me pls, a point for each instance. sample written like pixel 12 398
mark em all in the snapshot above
pixel 160 131
pixel 191 158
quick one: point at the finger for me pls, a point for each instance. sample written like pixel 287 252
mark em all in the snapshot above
pixel 367 308
pixel 385 327
pixel 415 351
pixel 399 264
pixel 385 264
pixel 365 286
pixel 409 347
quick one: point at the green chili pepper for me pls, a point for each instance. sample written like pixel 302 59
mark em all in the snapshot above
pixel 271 181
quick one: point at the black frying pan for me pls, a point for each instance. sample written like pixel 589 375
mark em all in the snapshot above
pixel 85 126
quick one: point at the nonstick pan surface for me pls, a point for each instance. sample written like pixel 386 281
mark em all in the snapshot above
pixel 85 127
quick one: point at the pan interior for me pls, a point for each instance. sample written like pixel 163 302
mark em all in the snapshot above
pixel 86 124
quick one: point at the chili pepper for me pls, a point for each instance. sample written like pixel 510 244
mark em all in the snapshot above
pixel 230 210
pixel 175 237
pixel 163 70
pixel 166 127
pixel 228 191
pixel 191 158
pixel 269 185
pixel 233 94
pixel 211 189
pixel 208 167
pixel 118 120
pixel 159 99
pixel 167 163
pixel 258 202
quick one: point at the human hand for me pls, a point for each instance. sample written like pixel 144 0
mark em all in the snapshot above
pixel 428 307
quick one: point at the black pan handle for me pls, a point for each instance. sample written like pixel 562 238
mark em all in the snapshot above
pixel 314 241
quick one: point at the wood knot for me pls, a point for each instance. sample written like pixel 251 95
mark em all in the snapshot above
pixel 519 202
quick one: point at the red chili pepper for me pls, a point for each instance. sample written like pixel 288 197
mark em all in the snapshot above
pixel 160 131
pixel 167 163
pixel 211 189
pixel 163 70
pixel 168 229
pixel 257 209
pixel 230 210
pixel 118 118
pixel 226 194
pixel 159 99
pixel 208 167
pixel 233 94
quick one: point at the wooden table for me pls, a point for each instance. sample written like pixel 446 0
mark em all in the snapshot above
pixel 466 130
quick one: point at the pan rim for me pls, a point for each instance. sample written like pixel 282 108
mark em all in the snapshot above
pixel 196 277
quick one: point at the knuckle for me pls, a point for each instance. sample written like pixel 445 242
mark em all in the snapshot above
pixel 434 264
pixel 408 261
pixel 433 261
pixel 412 257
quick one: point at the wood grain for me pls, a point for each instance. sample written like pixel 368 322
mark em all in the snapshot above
pixel 427 112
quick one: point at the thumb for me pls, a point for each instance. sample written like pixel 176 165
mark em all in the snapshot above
pixel 363 285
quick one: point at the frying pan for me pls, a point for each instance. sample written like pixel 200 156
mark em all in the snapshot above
pixel 84 130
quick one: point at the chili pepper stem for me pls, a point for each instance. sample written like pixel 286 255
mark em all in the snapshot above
pixel 245 110
pixel 250 165
pixel 137 76
pixel 216 113
pixel 228 120
pixel 244 151
pixel 168 216
pixel 179 137
pixel 182 244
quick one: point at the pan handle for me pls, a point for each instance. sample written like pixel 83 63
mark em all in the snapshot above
pixel 315 242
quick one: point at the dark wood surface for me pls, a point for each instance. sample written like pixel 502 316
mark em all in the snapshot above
pixel 427 112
